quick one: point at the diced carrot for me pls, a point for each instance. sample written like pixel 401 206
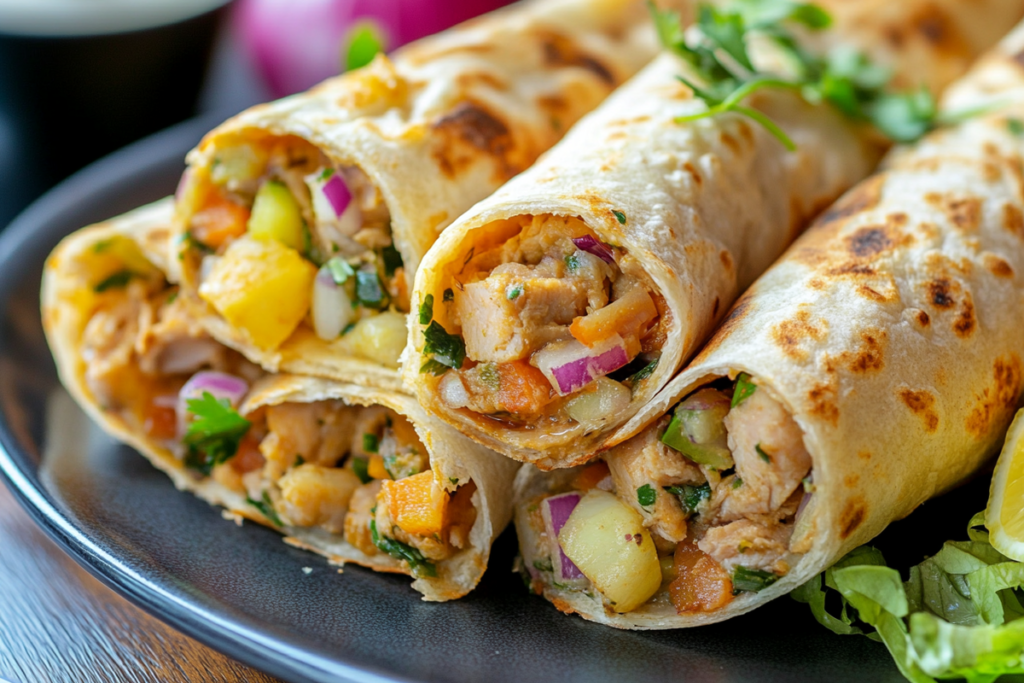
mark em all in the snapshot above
pixel 590 476
pixel 375 468
pixel 701 584
pixel 417 504
pixel 624 316
pixel 248 458
pixel 523 388
pixel 218 220
pixel 161 422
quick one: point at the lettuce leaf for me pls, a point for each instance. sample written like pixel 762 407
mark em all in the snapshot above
pixel 958 615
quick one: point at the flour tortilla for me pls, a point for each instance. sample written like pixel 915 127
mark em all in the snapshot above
pixel 68 303
pixel 704 207
pixel 890 331
pixel 438 126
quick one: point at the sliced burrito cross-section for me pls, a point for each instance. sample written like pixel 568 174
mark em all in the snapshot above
pixel 357 474
pixel 877 364
pixel 554 310
pixel 302 222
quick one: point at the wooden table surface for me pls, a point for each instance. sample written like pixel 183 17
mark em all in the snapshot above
pixel 58 624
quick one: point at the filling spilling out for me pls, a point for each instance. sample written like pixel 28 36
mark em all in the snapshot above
pixel 548 328
pixel 280 238
pixel 712 501
pixel 361 472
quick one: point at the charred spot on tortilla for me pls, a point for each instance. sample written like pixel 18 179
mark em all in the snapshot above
pixel 862 197
pixel 823 400
pixel 868 242
pixel 940 293
pixel 923 318
pixel 731 142
pixel 471 124
pixel 922 404
pixel 869 356
pixel 996 265
pixel 851 269
pixel 560 51
pixel 963 212
pixel 790 334
pixel 852 517
pixel 698 180
pixel 714 309
pixel 998 399
pixel 965 323
pixel 1013 220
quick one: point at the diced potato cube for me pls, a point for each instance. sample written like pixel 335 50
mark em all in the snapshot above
pixel 380 337
pixel 277 216
pixel 607 540
pixel 416 504
pixel 262 288
pixel 318 496
pixel 375 468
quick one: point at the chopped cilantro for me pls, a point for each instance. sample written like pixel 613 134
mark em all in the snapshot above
pixel 299 461
pixel 392 260
pixel 454 480
pixel 644 372
pixel 361 467
pixel 572 262
pixel 371 444
pixel 266 507
pixel 489 376
pixel 102 245
pixel 364 42
pixel 447 349
pixel 434 368
pixel 1015 126
pixel 401 551
pixel 646 495
pixel 427 309
pixel 348 328
pixel 370 292
pixel 325 174
pixel 543 566
pixel 340 270
pixel 690 497
pixel 449 295
pixel 513 292
pixel 172 298
pixel 621 217
pixel 191 242
pixel 751 580
pixel 215 433
pixel 761 454
pixel 737 482
pixel 116 281
pixel 744 389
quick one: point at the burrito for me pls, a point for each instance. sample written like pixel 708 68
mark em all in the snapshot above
pixel 877 364
pixel 354 473
pixel 301 223
pixel 554 310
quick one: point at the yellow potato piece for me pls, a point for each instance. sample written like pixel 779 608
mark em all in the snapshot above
pixel 607 540
pixel 1004 515
pixel 261 287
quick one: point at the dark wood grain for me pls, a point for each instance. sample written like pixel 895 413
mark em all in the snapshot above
pixel 59 624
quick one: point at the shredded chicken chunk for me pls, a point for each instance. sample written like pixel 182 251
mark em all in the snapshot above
pixel 750 544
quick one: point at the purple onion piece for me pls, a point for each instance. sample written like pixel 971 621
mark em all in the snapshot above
pixel 558 509
pixel 218 384
pixel 590 245
pixel 337 194
pixel 586 367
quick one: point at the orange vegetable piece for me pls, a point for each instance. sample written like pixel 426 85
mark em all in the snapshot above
pixel 161 422
pixel 219 220
pixel 417 504
pixel 375 468
pixel 248 458
pixel 701 584
pixel 624 316
pixel 523 388
pixel 590 476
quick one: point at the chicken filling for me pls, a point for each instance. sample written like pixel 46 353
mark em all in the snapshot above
pixel 711 501
pixel 362 472
pixel 549 327
pixel 280 238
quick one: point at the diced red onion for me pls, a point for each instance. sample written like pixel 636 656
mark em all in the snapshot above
pixel 591 245
pixel 219 384
pixel 337 194
pixel 570 366
pixel 188 355
pixel 556 511
pixel 332 308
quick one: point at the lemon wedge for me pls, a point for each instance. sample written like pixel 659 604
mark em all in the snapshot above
pixel 1004 515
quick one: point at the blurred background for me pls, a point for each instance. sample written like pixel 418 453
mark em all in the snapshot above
pixel 82 78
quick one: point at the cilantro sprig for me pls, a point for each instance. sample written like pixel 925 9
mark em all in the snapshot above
pixel 419 565
pixel 214 435
pixel 726 75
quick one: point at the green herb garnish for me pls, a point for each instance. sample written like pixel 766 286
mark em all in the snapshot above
pixel 427 309
pixel 761 454
pixel 434 368
pixel 447 349
pixel 392 260
pixel 489 376
pixel 361 467
pixel 572 262
pixel 646 495
pixel 371 444
pixel 340 270
pixel 644 372
pixel 116 281
pixel 513 292
pixel 299 461
pixel 543 566
pixel 737 482
pixel 449 295
pixel 619 216
pixel 1015 126
pixel 402 551
pixel 370 292
pixel 751 580
pixel 214 435
pixel 744 389
pixel 348 328
pixel 266 507
pixel 690 497
pixel 364 42
pixel 191 242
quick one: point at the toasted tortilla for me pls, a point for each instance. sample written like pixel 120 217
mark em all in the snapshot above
pixel 890 332
pixel 68 303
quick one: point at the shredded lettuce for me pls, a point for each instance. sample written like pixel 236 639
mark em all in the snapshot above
pixel 958 615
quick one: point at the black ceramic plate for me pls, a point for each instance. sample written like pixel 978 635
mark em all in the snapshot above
pixel 244 592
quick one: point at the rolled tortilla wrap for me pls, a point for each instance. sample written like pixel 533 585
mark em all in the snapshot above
pixel 582 286
pixel 369 167
pixel 877 364
pixel 315 459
